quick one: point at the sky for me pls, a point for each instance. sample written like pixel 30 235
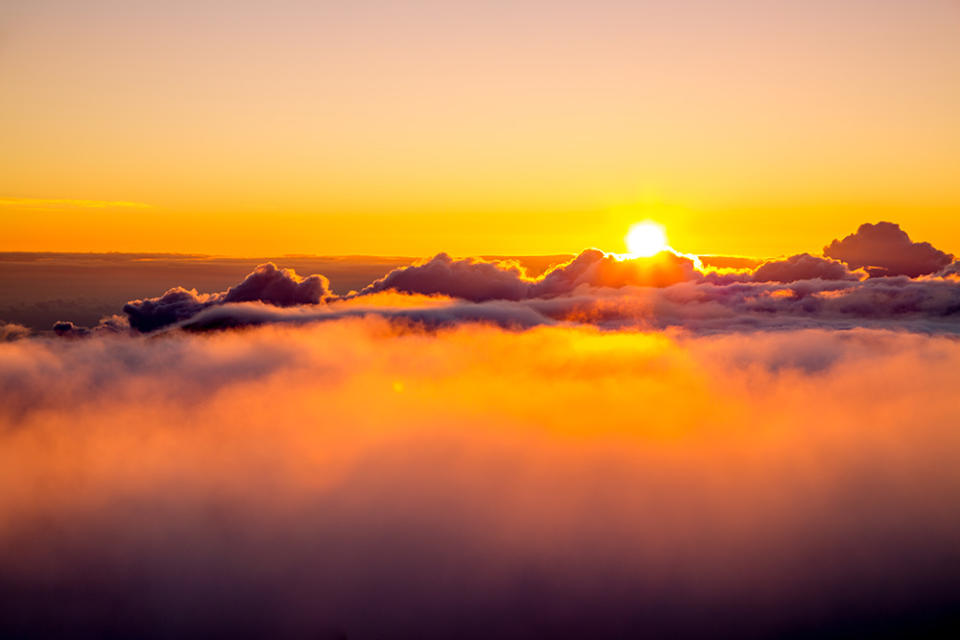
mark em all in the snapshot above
pixel 746 127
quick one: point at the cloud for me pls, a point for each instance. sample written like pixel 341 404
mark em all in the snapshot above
pixel 470 278
pixel 951 270
pixel 279 287
pixel 883 249
pixel 358 479
pixel 593 268
pixel 173 306
pixel 729 262
pixel 109 324
pixel 667 290
pixel 802 267
pixel 10 331
pixel 930 305
pixel 479 280
pixel 267 283
pixel 504 314
pixel 67 329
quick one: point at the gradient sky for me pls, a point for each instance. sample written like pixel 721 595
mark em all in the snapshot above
pixel 746 127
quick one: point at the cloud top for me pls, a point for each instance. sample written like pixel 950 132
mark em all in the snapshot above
pixel 471 279
pixel 267 284
pixel 802 267
pixel 837 290
pixel 884 249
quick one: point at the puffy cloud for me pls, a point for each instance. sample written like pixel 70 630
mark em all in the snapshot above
pixel 480 280
pixel 930 305
pixel 67 329
pixel 593 268
pixel 802 267
pixel 10 331
pixel 267 283
pixel 173 306
pixel 109 324
pixel 883 249
pixel 279 287
pixel 668 289
pixel 477 483
pixel 470 279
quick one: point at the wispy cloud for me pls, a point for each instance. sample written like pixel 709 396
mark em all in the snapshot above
pixel 43 203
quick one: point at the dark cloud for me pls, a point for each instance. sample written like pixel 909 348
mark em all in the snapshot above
pixel 928 306
pixel 67 329
pixel 802 267
pixel 267 283
pixel 173 306
pixel 279 287
pixel 469 278
pixel 479 280
pixel 109 324
pixel 883 249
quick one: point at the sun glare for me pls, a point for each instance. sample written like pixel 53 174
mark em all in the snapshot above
pixel 646 239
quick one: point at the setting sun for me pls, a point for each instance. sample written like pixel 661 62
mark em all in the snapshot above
pixel 646 239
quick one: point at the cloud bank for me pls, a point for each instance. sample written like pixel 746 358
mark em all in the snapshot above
pixel 876 278
pixel 358 478
pixel 267 283
pixel 478 280
pixel 802 267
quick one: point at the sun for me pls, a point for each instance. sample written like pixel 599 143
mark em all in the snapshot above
pixel 646 239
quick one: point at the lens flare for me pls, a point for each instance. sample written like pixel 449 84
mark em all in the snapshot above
pixel 646 239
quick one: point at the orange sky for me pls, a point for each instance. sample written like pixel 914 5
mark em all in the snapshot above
pixel 746 127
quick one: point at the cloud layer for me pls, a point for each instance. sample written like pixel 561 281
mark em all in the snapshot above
pixel 267 283
pixel 360 478
pixel 876 277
